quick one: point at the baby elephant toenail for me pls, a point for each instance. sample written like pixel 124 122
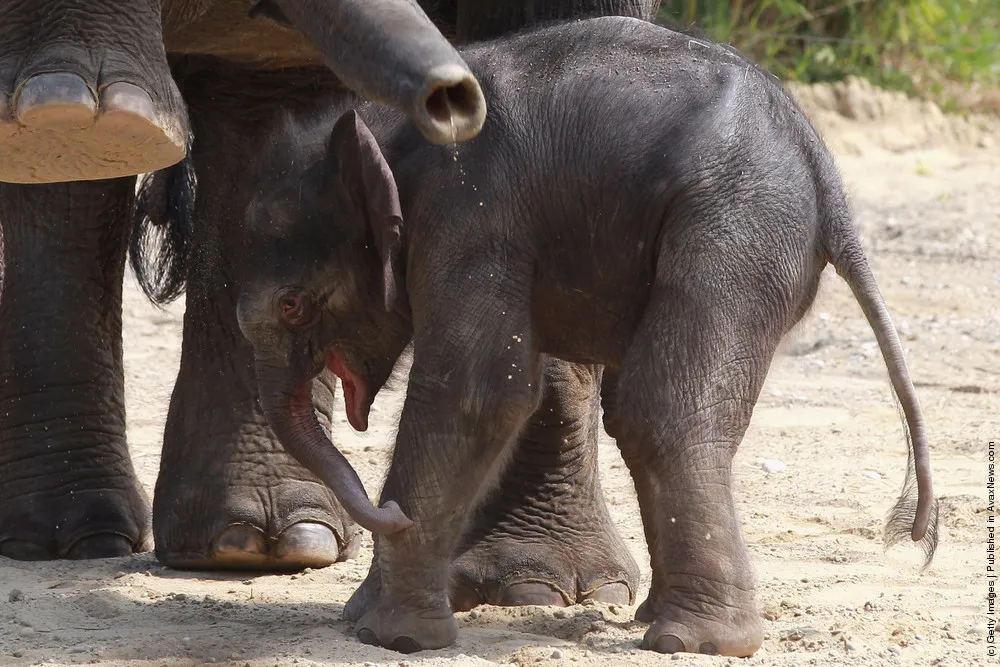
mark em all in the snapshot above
pixel 24 550
pixel 708 648
pixel 668 644
pixel 102 545
pixel 464 598
pixel 366 636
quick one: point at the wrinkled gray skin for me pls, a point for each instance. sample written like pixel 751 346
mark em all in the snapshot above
pixel 673 235
pixel 228 496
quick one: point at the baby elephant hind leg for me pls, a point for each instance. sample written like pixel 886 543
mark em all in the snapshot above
pixel 680 407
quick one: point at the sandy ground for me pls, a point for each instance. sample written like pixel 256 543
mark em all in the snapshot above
pixel 927 194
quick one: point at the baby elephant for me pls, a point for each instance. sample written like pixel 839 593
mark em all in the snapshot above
pixel 637 198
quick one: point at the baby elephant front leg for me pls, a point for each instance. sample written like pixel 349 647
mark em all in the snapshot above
pixel 468 396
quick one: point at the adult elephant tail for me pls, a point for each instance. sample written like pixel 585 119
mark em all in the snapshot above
pixel 162 225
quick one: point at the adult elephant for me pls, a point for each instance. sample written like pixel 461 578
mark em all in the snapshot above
pixel 227 495
pixel 86 93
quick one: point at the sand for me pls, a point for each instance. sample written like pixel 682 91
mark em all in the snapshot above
pixel 927 193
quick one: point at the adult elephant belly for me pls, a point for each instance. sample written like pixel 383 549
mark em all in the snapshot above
pixel 86 92
pixel 385 50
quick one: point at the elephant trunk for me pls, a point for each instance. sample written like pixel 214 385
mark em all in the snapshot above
pixel 289 410
pixel 391 52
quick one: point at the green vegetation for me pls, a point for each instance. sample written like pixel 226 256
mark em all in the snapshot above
pixel 925 47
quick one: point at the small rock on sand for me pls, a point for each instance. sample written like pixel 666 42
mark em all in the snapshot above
pixel 772 465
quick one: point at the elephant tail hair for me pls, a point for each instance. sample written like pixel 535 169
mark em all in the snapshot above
pixel 915 514
pixel 162 225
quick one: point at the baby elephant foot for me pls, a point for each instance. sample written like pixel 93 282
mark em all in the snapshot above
pixel 689 622
pixel 366 597
pixel 407 630
pixel 398 627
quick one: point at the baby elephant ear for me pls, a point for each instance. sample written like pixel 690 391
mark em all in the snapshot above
pixel 367 175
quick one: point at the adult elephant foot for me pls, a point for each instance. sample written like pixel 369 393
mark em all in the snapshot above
pixel 67 486
pixel 76 526
pixel 545 536
pixel 228 496
pixel 76 104
pixel 253 510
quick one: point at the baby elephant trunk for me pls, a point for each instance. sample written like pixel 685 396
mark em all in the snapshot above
pixel 289 410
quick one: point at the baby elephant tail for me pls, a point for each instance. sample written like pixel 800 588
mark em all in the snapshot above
pixel 915 514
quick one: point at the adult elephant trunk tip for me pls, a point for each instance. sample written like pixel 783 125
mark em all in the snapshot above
pixel 452 107
pixel 289 411
pixel 389 51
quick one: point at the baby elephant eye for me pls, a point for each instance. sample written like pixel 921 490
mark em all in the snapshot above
pixel 295 308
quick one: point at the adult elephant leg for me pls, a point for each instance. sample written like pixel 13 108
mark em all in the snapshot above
pixel 546 536
pixel 67 486
pixel 228 496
